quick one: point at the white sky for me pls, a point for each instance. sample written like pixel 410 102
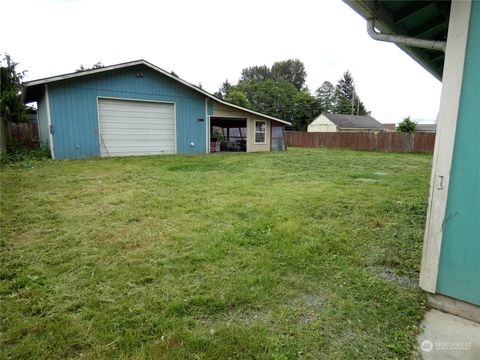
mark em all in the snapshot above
pixel 211 40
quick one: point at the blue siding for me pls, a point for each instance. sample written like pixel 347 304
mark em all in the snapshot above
pixel 209 107
pixel 459 269
pixel 73 109
pixel 42 120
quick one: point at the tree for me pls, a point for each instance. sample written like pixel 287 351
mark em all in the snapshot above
pixel 11 106
pixel 254 73
pixel 97 65
pixel 223 90
pixel 342 105
pixel 278 91
pixel 346 93
pixel 237 97
pixel 325 95
pixel 346 85
pixel 407 126
pixel 290 70
pixel 276 98
pixel 305 108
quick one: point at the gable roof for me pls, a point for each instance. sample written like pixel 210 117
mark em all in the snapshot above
pixel 28 86
pixel 354 121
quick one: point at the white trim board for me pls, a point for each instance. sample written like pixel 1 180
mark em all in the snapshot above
pixel 207 128
pixel 445 141
pixel 49 124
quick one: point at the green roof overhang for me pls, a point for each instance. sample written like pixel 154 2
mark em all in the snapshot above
pixel 418 19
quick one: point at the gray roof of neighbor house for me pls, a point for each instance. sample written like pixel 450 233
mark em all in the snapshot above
pixel 422 19
pixel 426 128
pixel 354 121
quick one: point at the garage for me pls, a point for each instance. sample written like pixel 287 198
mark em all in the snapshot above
pixel 137 108
pixel 130 127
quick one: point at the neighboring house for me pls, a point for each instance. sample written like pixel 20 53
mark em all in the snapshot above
pixel 450 270
pixel 136 108
pixel 426 128
pixel 390 127
pixel 327 122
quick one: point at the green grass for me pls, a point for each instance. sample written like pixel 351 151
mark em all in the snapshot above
pixel 311 253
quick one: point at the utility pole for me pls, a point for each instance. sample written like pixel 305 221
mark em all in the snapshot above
pixel 353 102
pixel 354 95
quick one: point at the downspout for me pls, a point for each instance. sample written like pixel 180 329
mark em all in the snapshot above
pixel 404 40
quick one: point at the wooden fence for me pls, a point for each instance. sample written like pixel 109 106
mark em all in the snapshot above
pixel 23 135
pixel 384 141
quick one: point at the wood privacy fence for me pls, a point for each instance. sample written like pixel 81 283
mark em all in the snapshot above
pixel 384 141
pixel 24 135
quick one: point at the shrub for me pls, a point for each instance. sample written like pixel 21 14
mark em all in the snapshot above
pixel 407 125
pixel 18 154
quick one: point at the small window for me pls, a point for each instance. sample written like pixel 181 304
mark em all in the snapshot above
pixel 260 132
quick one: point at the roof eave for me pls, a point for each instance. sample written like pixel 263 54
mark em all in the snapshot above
pixel 134 63
pixel 371 9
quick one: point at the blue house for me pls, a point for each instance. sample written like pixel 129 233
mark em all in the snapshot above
pixel 136 108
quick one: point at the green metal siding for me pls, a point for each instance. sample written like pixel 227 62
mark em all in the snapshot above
pixel 73 108
pixel 459 269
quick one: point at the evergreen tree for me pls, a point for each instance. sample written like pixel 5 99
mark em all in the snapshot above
pixel 223 90
pixel 407 125
pixel 11 106
pixel 346 93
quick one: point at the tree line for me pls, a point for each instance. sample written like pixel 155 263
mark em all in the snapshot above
pixel 280 91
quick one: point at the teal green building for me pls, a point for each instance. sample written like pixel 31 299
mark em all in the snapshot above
pixel 444 37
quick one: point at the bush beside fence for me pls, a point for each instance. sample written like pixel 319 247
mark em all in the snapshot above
pixel 384 141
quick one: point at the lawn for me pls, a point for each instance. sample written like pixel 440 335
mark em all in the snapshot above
pixel 312 253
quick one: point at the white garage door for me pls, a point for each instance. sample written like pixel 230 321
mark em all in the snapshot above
pixel 135 128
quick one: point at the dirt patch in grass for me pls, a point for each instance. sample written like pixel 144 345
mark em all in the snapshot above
pixel 390 276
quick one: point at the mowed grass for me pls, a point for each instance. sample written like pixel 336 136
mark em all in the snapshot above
pixel 311 253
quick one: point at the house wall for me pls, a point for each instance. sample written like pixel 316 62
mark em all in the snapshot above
pixel 459 268
pixel 360 130
pixel 222 110
pixel 251 146
pixel 322 124
pixel 42 120
pixel 73 109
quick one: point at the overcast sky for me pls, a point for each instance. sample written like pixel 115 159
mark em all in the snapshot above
pixel 209 41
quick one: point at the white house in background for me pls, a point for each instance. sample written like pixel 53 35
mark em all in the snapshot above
pixel 426 128
pixel 327 122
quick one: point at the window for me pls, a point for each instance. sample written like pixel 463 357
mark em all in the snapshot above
pixel 260 132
